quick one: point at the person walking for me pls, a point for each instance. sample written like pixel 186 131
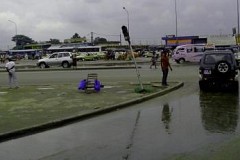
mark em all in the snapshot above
pixel 165 65
pixel 12 78
pixel 2 58
pixel 153 62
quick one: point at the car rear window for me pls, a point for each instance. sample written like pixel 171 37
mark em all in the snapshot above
pixel 214 58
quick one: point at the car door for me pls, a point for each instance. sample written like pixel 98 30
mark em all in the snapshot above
pixel 59 59
pixel 53 59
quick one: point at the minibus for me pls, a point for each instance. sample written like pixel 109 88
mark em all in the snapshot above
pixel 189 53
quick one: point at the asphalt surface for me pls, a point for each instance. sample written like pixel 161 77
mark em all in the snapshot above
pixel 24 65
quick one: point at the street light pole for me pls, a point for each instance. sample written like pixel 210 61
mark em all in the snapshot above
pixel 238 16
pixel 176 18
pixel 127 18
pixel 15 25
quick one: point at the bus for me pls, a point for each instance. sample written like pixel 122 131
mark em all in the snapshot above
pixel 90 53
pixel 82 51
pixel 89 49
pixel 189 52
pixel 75 48
pixel 25 54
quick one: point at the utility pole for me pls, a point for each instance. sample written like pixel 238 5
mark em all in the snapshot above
pixel 92 38
pixel 176 18
pixel 120 39
pixel 127 38
pixel 15 26
pixel 127 19
pixel 237 37
pixel 238 16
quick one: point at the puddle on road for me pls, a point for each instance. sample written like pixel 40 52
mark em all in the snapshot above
pixel 45 88
pixel 108 87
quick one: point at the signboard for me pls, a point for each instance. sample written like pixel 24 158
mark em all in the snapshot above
pixel 221 40
pixel 173 42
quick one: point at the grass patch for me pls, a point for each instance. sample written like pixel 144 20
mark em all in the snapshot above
pixel 33 105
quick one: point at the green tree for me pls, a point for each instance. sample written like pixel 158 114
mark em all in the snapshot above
pixel 76 35
pixel 54 41
pixel 98 40
pixel 76 39
pixel 21 41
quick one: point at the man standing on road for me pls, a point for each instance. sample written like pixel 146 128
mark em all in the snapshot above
pixel 74 61
pixel 10 67
pixel 165 65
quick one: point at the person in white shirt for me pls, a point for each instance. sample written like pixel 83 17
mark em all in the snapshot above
pixel 10 67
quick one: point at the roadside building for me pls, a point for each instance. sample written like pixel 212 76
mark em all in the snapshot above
pixel 172 41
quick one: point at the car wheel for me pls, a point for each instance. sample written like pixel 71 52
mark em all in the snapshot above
pixel 65 65
pixel 181 60
pixel 43 65
pixel 223 67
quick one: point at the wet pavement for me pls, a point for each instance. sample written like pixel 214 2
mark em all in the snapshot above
pixel 186 124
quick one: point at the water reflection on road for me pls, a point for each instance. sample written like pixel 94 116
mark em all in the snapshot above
pixel 166 116
pixel 219 112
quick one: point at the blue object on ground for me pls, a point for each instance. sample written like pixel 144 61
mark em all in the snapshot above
pixel 82 84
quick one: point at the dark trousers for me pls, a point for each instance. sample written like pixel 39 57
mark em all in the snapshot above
pixel 164 77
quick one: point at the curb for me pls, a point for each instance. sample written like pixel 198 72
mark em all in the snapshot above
pixel 69 120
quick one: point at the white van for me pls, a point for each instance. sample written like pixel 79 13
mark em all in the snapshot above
pixel 188 53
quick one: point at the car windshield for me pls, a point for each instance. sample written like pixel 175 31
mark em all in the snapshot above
pixel 213 58
pixel 53 56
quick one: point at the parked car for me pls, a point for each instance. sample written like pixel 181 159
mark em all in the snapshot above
pixel 101 55
pixel 237 56
pixel 218 69
pixel 87 57
pixel 63 59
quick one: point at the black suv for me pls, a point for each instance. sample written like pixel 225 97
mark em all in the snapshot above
pixel 218 69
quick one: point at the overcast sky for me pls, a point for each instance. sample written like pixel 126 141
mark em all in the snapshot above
pixel 149 20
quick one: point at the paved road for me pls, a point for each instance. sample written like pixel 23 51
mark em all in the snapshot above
pixel 73 76
pixel 134 133
pixel 172 126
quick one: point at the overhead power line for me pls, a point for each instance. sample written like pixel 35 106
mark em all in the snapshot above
pixel 100 34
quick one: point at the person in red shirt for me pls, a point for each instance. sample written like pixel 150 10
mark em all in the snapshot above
pixel 165 65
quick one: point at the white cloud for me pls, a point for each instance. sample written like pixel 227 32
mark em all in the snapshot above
pixel 149 20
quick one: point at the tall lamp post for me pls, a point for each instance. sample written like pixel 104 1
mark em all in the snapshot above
pixel 238 22
pixel 15 25
pixel 237 35
pixel 127 18
pixel 176 18
pixel 15 31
